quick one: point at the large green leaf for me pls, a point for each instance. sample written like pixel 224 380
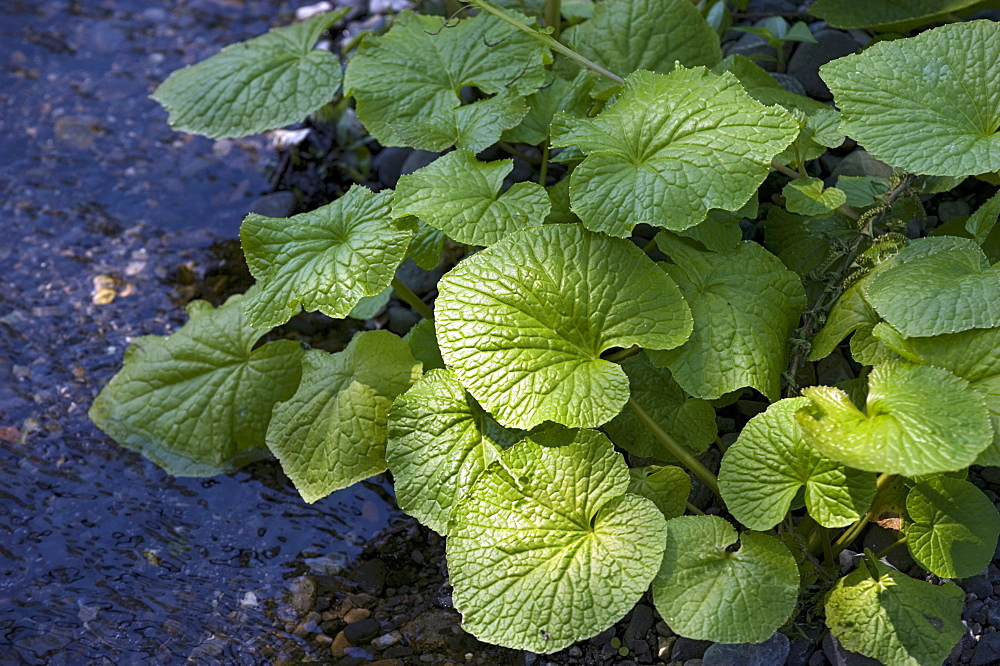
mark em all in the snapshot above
pixel 918 420
pixel 569 95
pixel 440 441
pixel 670 148
pixel 886 615
pixel 936 285
pixel 769 463
pixel 628 35
pixel 407 83
pixel 690 421
pixel 197 403
pixel 264 83
pixel 954 527
pixel 764 88
pixel 667 487
pixel 549 548
pixel 745 305
pixel 972 355
pixel 708 590
pixel 872 13
pixel 461 196
pixel 332 432
pixel 326 260
pixel 928 104
pixel 523 323
pixel 803 243
pixel 981 223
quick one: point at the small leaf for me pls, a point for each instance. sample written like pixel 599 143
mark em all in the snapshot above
pixel 924 104
pixel 851 313
pixel 936 285
pixel 197 402
pixel 954 528
pixel 264 83
pixel 667 487
pixel 326 260
pixel 653 155
pixel 370 306
pixel 807 196
pixel 894 618
pixel 745 305
pixel 461 196
pixel 407 83
pixel 767 465
pixel 332 432
pixel 440 441
pixel 918 420
pixel 691 421
pixel 555 550
pixel 707 590
pixel 862 191
pixel 981 223
pixel 524 322
pixel 853 14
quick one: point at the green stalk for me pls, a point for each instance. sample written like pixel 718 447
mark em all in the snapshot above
pixel 854 530
pixel 550 42
pixel 694 510
pixel 543 171
pixel 676 450
pixel 891 547
pixel 623 354
pixel 553 16
pixel 411 299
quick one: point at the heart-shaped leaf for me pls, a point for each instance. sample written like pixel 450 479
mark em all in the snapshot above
pixel 807 196
pixel 666 487
pixel 553 535
pixel 523 323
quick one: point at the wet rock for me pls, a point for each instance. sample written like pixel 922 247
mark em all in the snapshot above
pixel 339 644
pixel 772 651
pixel 664 646
pixel 356 615
pixel 275 204
pixel 859 163
pixel 400 319
pixel 987 651
pixel 640 622
pixel 391 163
pixel 419 281
pixel 430 631
pixel 799 652
pixel 978 585
pixel 989 474
pixel 387 640
pixel 370 576
pixel 688 648
pixel 362 631
pixel 302 594
pixel 809 57
pixel 838 656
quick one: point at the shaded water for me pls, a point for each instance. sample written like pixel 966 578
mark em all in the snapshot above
pixel 103 557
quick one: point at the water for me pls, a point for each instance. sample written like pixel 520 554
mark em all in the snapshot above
pixel 103 557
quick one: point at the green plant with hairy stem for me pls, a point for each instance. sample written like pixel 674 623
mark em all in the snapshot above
pixel 550 415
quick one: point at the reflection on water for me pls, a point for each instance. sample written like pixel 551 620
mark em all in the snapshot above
pixel 103 557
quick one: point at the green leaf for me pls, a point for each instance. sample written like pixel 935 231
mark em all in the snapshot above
pixel 862 191
pixel 555 550
pixel 807 196
pixel 894 618
pixel 918 420
pixel 764 88
pixel 767 465
pixel 803 243
pixel 426 246
pixel 654 155
pixel 440 441
pixel 461 196
pixel 571 96
pixel 981 223
pixel 523 323
pixel 423 344
pixel 937 285
pixel 197 402
pixel 973 355
pixel 407 82
pixel 691 421
pixel 925 104
pixel 851 313
pixel 708 590
pixel 666 487
pixel 369 306
pixel 327 259
pixel 745 305
pixel 719 231
pixel 264 83
pixel 628 35
pixel 332 432
pixel 954 528
pixel 854 14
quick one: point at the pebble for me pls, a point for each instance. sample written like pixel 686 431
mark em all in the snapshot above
pixel 978 585
pixel 688 648
pixel 275 204
pixel 362 631
pixel 987 651
pixel 808 57
pixel 387 640
pixel 302 594
pixel 799 652
pixel 356 615
pixel 339 644
pixel 838 656
pixel 772 651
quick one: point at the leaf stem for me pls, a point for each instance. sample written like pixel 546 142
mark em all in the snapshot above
pixel 549 41
pixel 622 354
pixel 852 532
pixel 543 170
pixel 553 16
pixel 514 152
pixel 891 547
pixel 411 299
pixel 684 456
pixel 695 510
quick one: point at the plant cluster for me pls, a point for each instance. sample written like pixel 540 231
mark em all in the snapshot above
pixel 548 414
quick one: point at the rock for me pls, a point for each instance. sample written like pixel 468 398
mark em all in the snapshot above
pixel 386 640
pixel 878 538
pixel 859 163
pixel 363 631
pixel 809 57
pixel 789 83
pixel 978 585
pixel 946 211
pixel 339 644
pixel 799 652
pixel 772 651
pixel 275 204
pixel 688 648
pixel 754 47
pixel 370 576
pixel 419 281
pixel 391 163
pixel 987 651
pixel 664 646
pixel 639 624
pixel 356 615
pixel 302 594
pixel 989 474
pixel 838 656
pixel 430 631
pixel 400 319
pixel 773 6
pixel 818 659
pixel 417 159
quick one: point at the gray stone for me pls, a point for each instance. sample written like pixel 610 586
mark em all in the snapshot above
pixel 417 159
pixel 859 163
pixel 419 281
pixel 362 631
pixel 388 164
pixel 809 57
pixel 275 204
pixel 754 47
pixel 987 651
pixel 989 474
pixel 772 651
pixel 948 210
pixel 688 648
pixel 799 652
pixel 789 83
pixel 640 622
pixel 773 6
pixel 818 659
pixel 401 319
pixel 302 594
pixel 978 585
pixel 839 656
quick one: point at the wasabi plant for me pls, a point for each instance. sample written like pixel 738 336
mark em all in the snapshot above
pixel 550 414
